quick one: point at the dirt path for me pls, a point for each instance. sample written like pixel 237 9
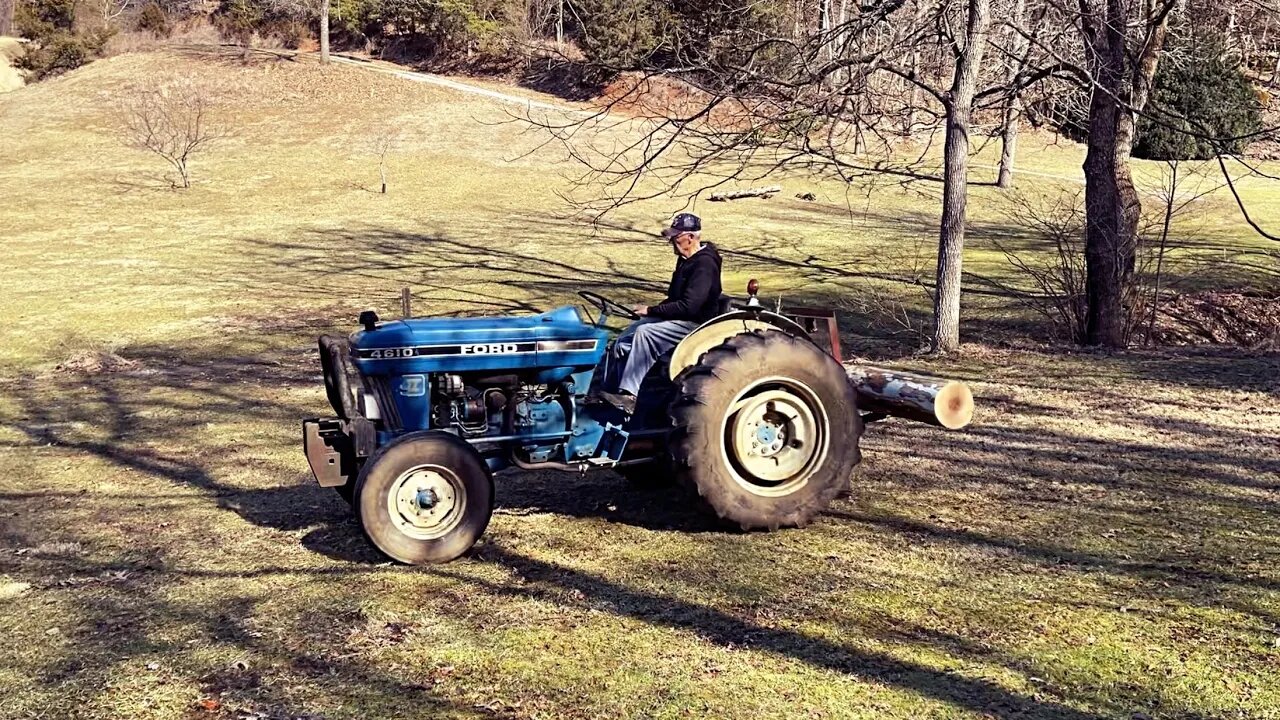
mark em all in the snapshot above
pixel 415 76
pixel 10 78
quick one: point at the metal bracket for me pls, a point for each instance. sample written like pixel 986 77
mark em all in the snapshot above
pixel 612 444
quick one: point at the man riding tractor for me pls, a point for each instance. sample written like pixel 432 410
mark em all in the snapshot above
pixel 692 299
pixel 738 402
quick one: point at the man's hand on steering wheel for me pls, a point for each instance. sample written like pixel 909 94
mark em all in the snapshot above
pixel 608 307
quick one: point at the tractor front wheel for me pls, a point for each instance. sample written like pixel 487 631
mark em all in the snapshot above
pixel 766 429
pixel 424 498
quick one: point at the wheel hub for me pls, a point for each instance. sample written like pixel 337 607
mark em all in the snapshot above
pixel 775 438
pixel 424 502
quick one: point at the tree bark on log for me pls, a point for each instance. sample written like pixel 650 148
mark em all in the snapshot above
pixel 935 401
pixel 763 192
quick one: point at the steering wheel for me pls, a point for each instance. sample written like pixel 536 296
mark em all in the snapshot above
pixel 607 307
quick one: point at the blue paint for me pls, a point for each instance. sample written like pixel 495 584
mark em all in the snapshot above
pixel 556 349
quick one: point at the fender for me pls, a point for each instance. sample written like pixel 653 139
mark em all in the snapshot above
pixel 718 329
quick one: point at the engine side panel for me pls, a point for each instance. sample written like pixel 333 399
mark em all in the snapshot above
pixel 553 339
pixel 403 356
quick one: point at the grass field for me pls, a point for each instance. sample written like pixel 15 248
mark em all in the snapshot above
pixel 1104 542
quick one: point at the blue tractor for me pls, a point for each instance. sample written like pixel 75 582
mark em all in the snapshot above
pixel 748 410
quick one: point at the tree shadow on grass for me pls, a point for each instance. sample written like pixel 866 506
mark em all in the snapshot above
pixel 465 271
pixel 546 581
pixel 153 422
pixel 134 623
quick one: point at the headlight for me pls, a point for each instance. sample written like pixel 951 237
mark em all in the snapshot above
pixel 368 405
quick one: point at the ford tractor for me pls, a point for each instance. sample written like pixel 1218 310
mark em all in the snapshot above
pixel 749 410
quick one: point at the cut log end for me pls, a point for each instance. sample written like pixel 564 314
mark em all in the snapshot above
pixel 945 403
pixel 954 406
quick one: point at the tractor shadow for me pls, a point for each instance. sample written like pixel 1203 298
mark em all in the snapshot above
pixel 605 496
pixel 600 496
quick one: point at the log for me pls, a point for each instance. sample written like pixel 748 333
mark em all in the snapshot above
pixel 946 403
pixel 763 192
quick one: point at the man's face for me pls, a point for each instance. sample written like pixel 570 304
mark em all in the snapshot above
pixel 684 244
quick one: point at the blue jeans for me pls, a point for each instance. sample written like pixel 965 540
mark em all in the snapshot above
pixel 639 347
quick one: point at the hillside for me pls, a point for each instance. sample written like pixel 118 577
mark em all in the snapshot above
pixel 1102 543
pixel 292 186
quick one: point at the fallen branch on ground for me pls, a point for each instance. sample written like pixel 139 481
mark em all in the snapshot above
pixel 764 192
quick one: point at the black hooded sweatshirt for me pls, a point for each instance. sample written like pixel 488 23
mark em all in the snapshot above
pixel 694 294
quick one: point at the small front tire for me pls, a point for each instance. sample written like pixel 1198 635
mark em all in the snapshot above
pixel 424 498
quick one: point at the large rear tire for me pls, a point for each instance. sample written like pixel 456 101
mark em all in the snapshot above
pixel 424 498
pixel 766 429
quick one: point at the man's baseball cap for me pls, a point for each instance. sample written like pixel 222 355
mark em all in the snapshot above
pixel 683 223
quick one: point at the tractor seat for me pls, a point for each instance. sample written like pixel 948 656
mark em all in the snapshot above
pixel 728 303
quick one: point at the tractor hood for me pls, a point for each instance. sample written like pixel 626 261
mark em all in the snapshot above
pixel 557 339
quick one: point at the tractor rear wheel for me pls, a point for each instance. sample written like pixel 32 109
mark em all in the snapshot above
pixel 766 429
pixel 424 498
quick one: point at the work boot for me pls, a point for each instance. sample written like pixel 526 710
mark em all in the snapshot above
pixel 624 401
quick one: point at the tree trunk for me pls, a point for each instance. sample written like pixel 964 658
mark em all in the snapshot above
pixel 946 300
pixel 1112 205
pixel 1111 208
pixel 324 31
pixel 1013 106
pixel 1009 142
pixel 917 95
pixel 955 179
pixel 6 17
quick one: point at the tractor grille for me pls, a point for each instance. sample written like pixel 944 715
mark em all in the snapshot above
pixel 386 402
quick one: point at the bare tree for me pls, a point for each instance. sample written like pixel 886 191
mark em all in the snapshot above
pixel 308 9
pixel 1118 48
pixel 1011 113
pixel 110 10
pixel 170 119
pixel 1115 50
pixel 955 175
pixel 384 142
pixel 830 96
pixel 1123 40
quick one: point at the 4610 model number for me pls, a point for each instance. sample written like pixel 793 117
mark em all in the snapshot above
pixel 389 353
